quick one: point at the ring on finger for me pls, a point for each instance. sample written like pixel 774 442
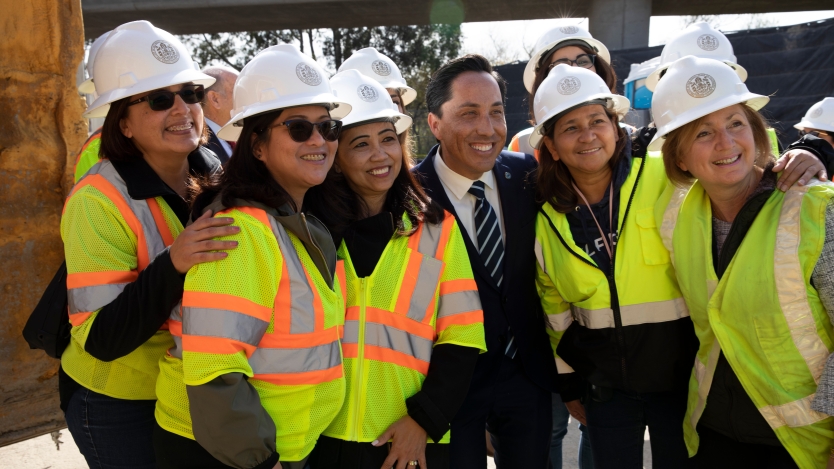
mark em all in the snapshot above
pixel 414 463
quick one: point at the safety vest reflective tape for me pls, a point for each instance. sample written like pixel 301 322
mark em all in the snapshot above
pixel 421 293
pixel 645 313
pixel 88 155
pixel 778 337
pixel 98 213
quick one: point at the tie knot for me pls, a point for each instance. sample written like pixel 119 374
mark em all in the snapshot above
pixel 477 189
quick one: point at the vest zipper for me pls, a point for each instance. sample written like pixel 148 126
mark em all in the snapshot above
pixel 358 385
pixel 313 242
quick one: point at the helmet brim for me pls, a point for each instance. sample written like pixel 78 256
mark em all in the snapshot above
pixel 620 105
pixel 87 86
pixel 654 77
pixel 530 69
pixel 101 106
pixel 402 123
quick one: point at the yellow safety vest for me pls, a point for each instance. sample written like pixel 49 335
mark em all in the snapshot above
pixel 88 155
pixel 763 313
pixel 267 312
pixel 572 288
pixel 108 239
pixel 421 293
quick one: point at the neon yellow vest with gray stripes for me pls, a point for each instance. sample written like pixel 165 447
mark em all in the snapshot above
pixel 763 313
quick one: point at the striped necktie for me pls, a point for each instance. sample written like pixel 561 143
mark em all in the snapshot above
pixel 490 245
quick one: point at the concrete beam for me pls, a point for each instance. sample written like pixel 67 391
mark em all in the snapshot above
pixel 620 24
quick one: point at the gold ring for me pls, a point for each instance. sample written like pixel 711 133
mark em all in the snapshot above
pixel 413 463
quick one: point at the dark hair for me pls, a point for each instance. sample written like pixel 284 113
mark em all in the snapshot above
pixel 244 176
pixel 439 89
pixel 603 69
pixel 114 145
pixel 553 179
pixel 337 205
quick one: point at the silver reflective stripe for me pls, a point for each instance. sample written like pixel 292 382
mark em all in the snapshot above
pixel 427 280
pixel 382 335
pixel 295 360
pixel 670 219
pixel 89 299
pixel 210 322
pixel 176 312
pixel 793 414
pixel 632 315
pixel 176 350
pixel 430 239
pixel 704 375
pixel 302 313
pixel 560 322
pixel 458 302
pixel 351 332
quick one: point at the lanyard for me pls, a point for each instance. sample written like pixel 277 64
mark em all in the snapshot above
pixel 610 215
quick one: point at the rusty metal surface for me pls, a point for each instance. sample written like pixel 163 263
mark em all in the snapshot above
pixel 40 131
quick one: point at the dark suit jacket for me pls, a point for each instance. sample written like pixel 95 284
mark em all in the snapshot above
pixel 215 146
pixel 516 302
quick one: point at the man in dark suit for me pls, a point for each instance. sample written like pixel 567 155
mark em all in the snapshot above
pixel 491 195
pixel 217 108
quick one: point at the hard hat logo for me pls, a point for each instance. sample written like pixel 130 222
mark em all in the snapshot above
pixel 708 42
pixel 367 93
pixel 381 68
pixel 700 85
pixel 307 74
pixel 569 29
pixel 164 52
pixel 568 85
pixel 817 112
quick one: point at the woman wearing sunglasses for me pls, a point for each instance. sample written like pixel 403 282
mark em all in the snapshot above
pixel 256 373
pixel 819 121
pixel 414 325
pixel 125 246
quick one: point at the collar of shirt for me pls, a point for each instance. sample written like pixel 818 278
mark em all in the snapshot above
pixel 212 125
pixel 459 185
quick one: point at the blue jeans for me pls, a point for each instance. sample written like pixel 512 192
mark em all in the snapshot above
pixel 617 427
pixel 560 429
pixel 112 433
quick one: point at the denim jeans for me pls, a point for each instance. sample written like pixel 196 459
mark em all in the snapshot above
pixel 617 426
pixel 112 433
pixel 560 429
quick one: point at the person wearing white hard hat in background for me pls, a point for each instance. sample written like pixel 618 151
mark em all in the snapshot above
pixel 819 121
pixel 753 264
pixel 256 372
pixel 218 108
pixel 570 45
pixel 125 246
pixel 391 234
pixel 88 155
pixel 370 62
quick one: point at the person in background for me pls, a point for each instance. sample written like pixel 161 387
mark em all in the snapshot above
pixel 370 62
pixel 126 247
pixel 489 194
pixel 819 121
pixel 411 340
pixel 754 265
pixel 218 108
pixel 88 155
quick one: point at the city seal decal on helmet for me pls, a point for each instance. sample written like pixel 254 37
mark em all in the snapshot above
pixel 569 29
pixel 708 42
pixel 308 74
pixel 367 93
pixel 381 68
pixel 700 85
pixel 568 85
pixel 817 112
pixel 164 52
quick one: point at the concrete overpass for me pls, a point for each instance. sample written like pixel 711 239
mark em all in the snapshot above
pixel 620 24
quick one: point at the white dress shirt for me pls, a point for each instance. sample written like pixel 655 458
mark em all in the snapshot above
pixel 457 189
pixel 216 128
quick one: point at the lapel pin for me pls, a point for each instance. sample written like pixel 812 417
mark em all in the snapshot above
pixel 508 175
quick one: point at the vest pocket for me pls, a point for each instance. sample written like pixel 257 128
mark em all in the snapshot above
pixel 653 251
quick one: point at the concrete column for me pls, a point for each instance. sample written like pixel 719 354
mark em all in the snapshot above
pixel 41 130
pixel 621 24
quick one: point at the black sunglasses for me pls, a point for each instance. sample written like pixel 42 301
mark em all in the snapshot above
pixel 582 60
pixel 163 99
pixel 301 130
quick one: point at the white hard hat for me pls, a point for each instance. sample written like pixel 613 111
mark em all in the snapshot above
pixel 701 40
pixel 368 99
pixel 382 69
pixel 136 58
pixel 820 116
pixel 567 88
pixel 277 78
pixel 641 70
pixel 87 87
pixel 693 88
pixel 551 39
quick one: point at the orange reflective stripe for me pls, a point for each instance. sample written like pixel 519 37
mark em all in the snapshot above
pixel 373 352
pixel 454 286
pixel 174 327
pixel 164 230
pixel 448 223
pixel 380 316
pixel 460 319
pixel 305 377
pixel 350 350
pixel 215 345
pixel 412 272
pixel 78 318
pixel 304 340
pixel 253 212
pixel 414 239
pixel 431 307
pixel 342 276
pixel 90 279
pixel 192 299
pixel 283 303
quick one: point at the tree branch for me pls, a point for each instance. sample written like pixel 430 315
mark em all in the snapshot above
pixel 217 52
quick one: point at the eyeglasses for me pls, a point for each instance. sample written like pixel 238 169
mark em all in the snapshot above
pixel 163 99
pixel 582 60
pixel 815 133
pixel 301 130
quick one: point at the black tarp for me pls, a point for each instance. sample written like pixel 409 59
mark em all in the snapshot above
pixel 792 64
